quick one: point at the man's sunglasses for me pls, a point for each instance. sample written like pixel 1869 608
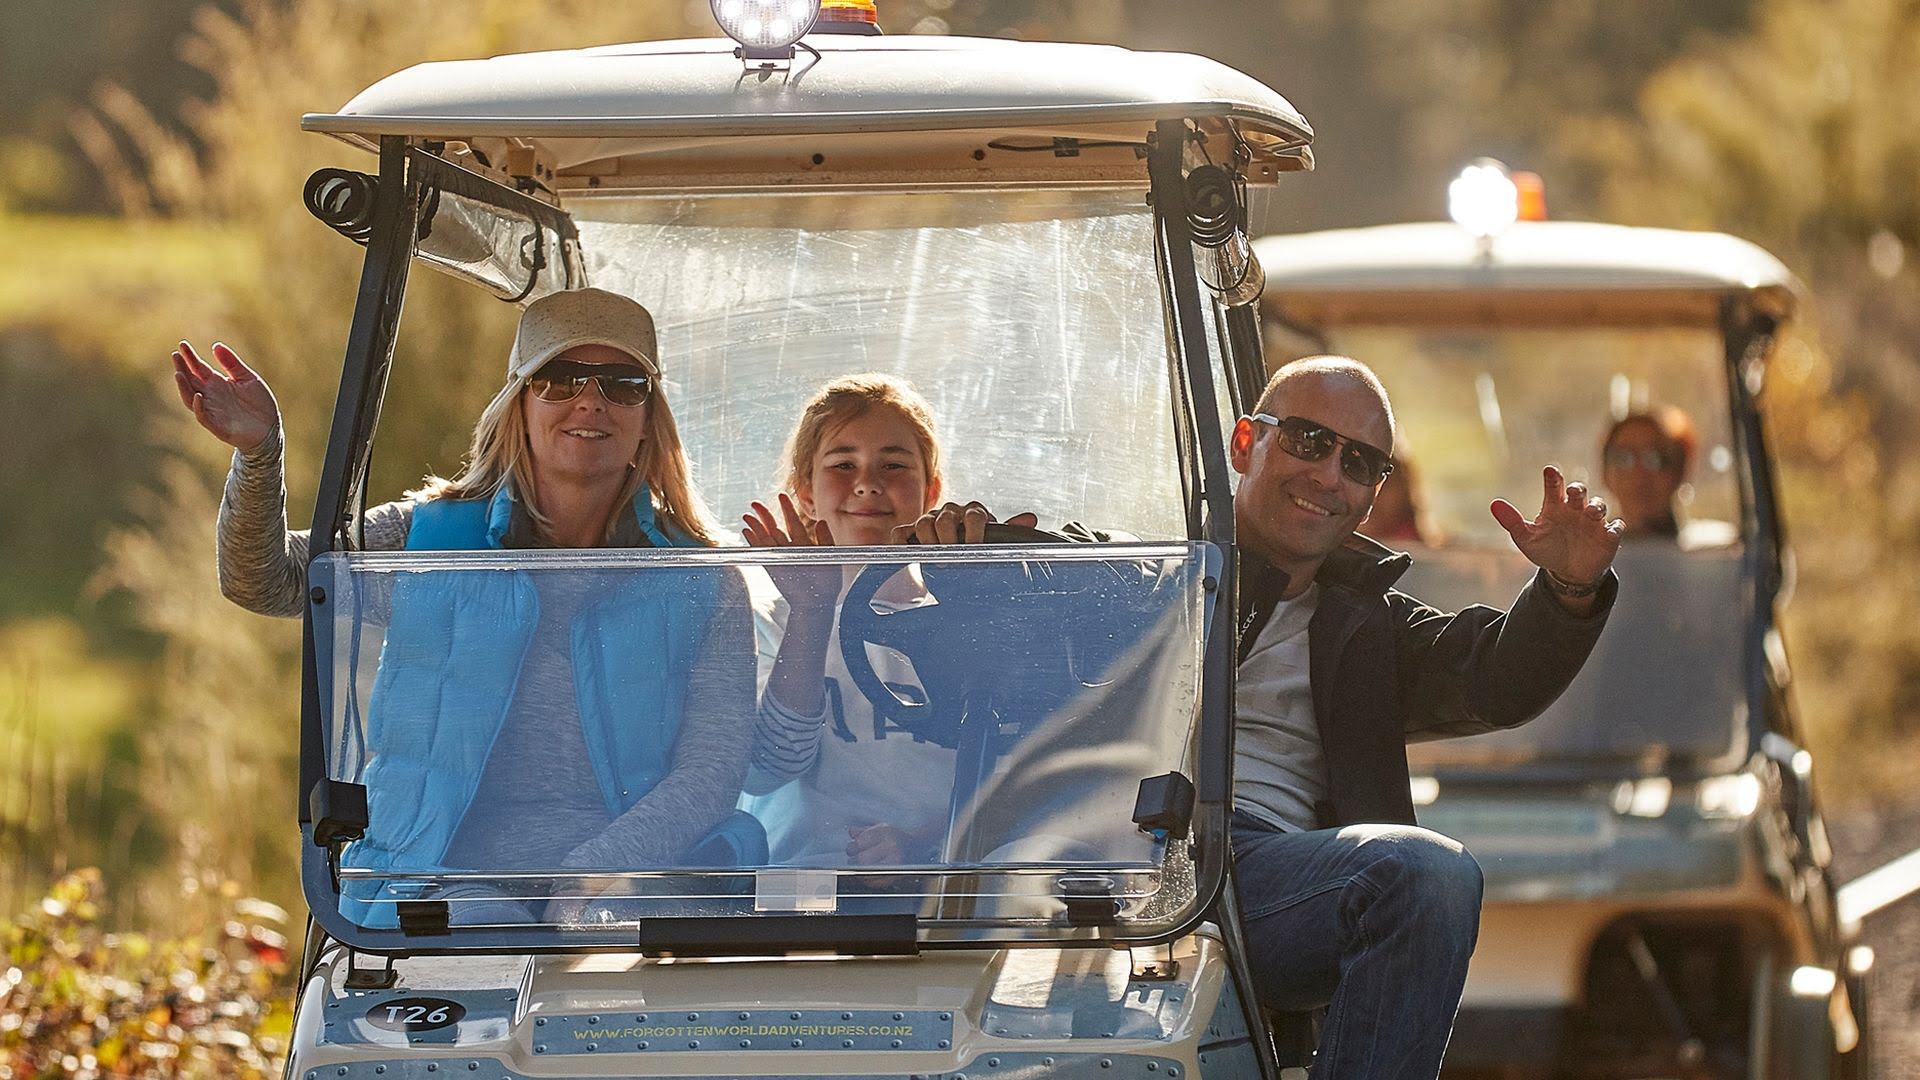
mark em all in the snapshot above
pixel 620 384
pixel 1361 463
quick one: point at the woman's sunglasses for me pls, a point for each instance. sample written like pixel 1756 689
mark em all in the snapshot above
pixel 1651 460
pixel 1361 463
pixel 620 384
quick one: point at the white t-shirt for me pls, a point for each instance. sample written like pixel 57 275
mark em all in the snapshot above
pixel 1279 773
pixel 822 775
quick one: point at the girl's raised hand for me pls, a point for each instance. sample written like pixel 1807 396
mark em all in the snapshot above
pixel 807 587
pixel 235 403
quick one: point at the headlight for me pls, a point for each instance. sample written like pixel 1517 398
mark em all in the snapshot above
pixel 766 26
pixel 1483 199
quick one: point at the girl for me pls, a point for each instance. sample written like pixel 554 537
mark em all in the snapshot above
pixel 839 786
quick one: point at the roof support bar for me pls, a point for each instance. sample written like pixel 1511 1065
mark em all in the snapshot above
pixel 363 383
pixel 1188 334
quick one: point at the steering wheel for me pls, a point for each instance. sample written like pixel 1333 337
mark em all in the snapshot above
pixel 921 634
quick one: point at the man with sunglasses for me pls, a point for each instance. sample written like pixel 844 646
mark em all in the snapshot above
pixel 1347 903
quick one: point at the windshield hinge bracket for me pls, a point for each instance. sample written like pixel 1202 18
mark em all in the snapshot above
pixel 1150 966
pixel 359 978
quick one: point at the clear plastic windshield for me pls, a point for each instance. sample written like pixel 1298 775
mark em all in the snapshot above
pixel 1030 320
pixel 1479 411
pixel 579 742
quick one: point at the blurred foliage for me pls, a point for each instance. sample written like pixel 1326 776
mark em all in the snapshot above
pixel 1804 136
pixel 206 1000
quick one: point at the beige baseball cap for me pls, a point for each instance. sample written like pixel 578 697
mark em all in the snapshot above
pixel 563 320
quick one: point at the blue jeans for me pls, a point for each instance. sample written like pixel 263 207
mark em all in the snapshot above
pixel 1376 922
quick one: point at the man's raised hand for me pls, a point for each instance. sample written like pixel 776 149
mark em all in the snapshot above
pixel 1572 539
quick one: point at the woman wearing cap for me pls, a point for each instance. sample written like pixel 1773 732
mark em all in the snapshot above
pixel 578 450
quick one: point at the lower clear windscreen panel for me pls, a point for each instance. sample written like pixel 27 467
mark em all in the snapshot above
pixel 564 745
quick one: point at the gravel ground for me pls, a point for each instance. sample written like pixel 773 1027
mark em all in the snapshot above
pixel 1866 837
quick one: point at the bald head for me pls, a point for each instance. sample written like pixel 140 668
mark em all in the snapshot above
pixel 1316 379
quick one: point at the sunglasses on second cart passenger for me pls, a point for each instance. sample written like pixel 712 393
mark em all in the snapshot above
pixel 1362 463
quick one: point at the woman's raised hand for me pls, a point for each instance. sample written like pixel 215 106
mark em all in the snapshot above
pixel 234 403
pixel 807 587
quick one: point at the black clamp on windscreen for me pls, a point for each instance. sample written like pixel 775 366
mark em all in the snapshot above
pixel 338 811
pixel 423 918
pixel 1089 900
pixel 1165 805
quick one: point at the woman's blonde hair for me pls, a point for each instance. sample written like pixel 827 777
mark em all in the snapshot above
pixel 846 399
pixel 501 454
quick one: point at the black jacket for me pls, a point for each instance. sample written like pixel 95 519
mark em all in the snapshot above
pixel 1387 670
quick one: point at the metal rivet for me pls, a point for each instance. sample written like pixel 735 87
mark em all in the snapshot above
pixel 899 1016
pixel 746 1016
pixel 796 1044
pixel 318 594
pixel 593 1046
pixel 473 1066
pixel 995 1062
pixel 694 1045
pixel 793 1016
pixel 593 1020
pixel 944 1044
pixel 541 1022
pixel 642 1044
pixel 341 1071
pixel 1153 1066
pixel 847 1043
pixel 540 1048
pixel 379 1068
pixel 846 1016
pixel 1106 1063
pixel 744 1043
pixel 433 1066
pixel 1046 1061
pixel 693 1016
pixel 946 1016
pixel 896 1044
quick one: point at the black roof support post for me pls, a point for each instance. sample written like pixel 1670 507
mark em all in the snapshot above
pixel 363 383
pixel 1165 162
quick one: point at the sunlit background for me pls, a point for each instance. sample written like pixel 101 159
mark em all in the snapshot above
pixel 150 169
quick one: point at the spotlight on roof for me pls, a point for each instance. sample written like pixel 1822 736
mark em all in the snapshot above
pixel 766 29
pixel 1483 199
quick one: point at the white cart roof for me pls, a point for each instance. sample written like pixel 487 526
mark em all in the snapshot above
pixel 1535 271
pixel 965 103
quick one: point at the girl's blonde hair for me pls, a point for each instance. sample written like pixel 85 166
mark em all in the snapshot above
pixel 846 399
pixel 501 454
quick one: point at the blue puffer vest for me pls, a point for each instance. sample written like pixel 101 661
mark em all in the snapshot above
pixel 450 666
